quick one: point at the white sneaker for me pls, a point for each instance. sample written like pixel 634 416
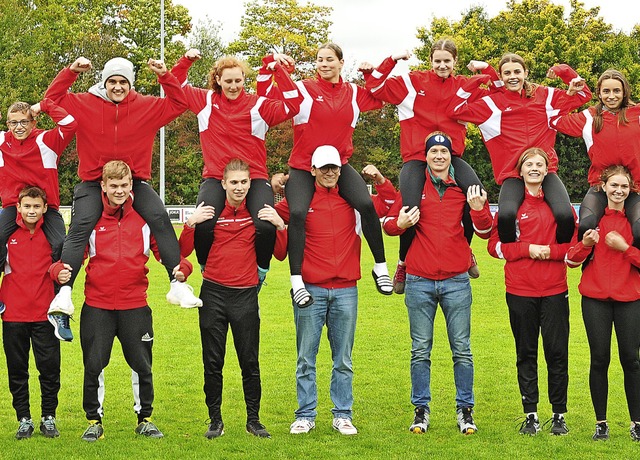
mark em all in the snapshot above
pixel 344 426
pixel 301 426
pixel 62 303
pixel 182 294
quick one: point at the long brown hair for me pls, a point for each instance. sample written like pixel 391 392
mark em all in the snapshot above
pixel 226 62
pixel 444 44
pixel 529 88
pixel 617 170
pixel 612 74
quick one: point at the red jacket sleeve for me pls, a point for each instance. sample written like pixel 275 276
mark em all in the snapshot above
pixel 280 248
pixel 390 223
pixel 461 107
pixel 570 124
pixel 482 221
pixel 186 241
pixel 59 87
pixel 275 111
pixel 57 139
pixel 388 89
pixel 385 198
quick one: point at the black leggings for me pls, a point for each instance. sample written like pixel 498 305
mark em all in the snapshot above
pixel 87 209
pixel 299 192
pixel 260 193
pixel 593 206
pixel 599 316
pixel 52 225
pixel 556 196
pixel 412 179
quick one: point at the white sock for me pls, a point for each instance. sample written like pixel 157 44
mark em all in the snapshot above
pixel 380 269
pixel 297 283
pixel 65 290
pixel 401 262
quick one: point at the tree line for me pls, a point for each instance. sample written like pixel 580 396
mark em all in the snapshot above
pixel 39 37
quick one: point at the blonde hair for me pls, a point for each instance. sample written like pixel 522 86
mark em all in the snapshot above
pixel 116 169
pixel 531 152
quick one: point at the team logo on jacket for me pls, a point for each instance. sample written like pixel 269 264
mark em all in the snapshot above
pixel 146 337
pixel 216 106
pixel 421 92
pixel 13 241
pixel 320 98
pixel 102 228
pixel 524 216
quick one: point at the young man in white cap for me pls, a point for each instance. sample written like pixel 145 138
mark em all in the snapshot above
pixel 437 265
pixel 330 271
pixel 117 123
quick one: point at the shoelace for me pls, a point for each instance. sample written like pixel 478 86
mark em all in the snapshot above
pixel 25 425
pixel 49 423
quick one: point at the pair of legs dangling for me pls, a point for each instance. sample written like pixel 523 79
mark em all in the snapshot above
pixel 352 188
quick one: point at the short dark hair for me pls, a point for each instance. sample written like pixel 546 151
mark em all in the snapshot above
pixel 32 191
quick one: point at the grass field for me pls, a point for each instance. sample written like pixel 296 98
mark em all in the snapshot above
pixel 382 410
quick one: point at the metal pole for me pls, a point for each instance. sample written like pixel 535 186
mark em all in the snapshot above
pixel 162 184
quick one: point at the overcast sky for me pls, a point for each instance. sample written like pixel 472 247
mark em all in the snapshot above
pixel 370 30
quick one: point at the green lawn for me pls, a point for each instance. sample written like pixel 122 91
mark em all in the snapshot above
pixel 382 410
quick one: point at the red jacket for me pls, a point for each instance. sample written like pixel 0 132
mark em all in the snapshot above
pixel 124 131
pixel 34 160
pixel 332 248
pixel 328 116
pixel 422 99
pixel 439 250
pixel 523 275
pixel 26 288
pixel 232 259
pixel 611 274
pixel 237 129
pixel 510 123
pixel 615 144
pixel 385 198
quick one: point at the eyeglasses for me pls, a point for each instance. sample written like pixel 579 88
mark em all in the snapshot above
pixel 327 168
pixel 14 124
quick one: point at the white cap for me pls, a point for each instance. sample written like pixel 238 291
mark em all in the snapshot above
pixel 325 155
pixel 118 66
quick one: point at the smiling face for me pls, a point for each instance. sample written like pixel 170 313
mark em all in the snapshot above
pixel 328 65
pixel 513 75
pixel 117 190
pixel 236 184
pixel 617 189
pixel 20 124
pixel 442 63
pixel 439 160
pixel 231 80
pixel 326 176
pixel 117 88
pixel 611 94
pixel 31 210
pixel 533 170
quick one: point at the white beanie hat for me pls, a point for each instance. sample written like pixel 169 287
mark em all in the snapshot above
pixel 119 66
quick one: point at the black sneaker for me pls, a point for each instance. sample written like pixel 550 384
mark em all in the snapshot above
pixel 635 431
pixel 93 432
pixel 420 421
pixel 61 327
pixel 530 426
pixel 602 432
pixel 48 427
pixel 216 429
pixel 257 429
pixel 466 424
pixel 558 425
pixel 25 429
pixel 149 429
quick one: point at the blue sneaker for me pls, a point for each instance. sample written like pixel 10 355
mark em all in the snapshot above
pixel 262 275
pixel 61 326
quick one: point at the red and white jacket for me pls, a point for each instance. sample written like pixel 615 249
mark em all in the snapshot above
pixel 34 160
pixel 385 198
pixel 118 250
pixel 615 144
pixel 422 98
pixel 26 288
pixel 332 247
pixel 439 249
pixel 237 128
pixel 232 259
pixel 523 275
pixel 124 131
pixel 611 274
pixel 510 122
pixel 328 115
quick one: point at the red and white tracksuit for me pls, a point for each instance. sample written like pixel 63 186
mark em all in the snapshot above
pixel 237 128
pixel 385 198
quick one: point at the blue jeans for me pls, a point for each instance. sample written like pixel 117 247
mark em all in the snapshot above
pixel 338 309
pixel 422 297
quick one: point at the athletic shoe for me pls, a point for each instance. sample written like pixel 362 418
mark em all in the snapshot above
pixel 474 271
pixel 301 426
pixel 530 426
pixel 215 430
pixel 25 429
pixel 61 327
pixel 420 421
pixel 602 432
pixel 48 427
pixel 62 303
pixel 149 429
pixel 383 283
pixel 465 421
pixel 635 431
pixel 302 298
pixel 181 293
pixel 262 275
pixel 3 307
pixel 399 278
pixel 558 425
pixel 256 428
pixel 344 426
pixel 93 432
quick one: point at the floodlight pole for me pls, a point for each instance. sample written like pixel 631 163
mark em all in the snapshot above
pixel 162 146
